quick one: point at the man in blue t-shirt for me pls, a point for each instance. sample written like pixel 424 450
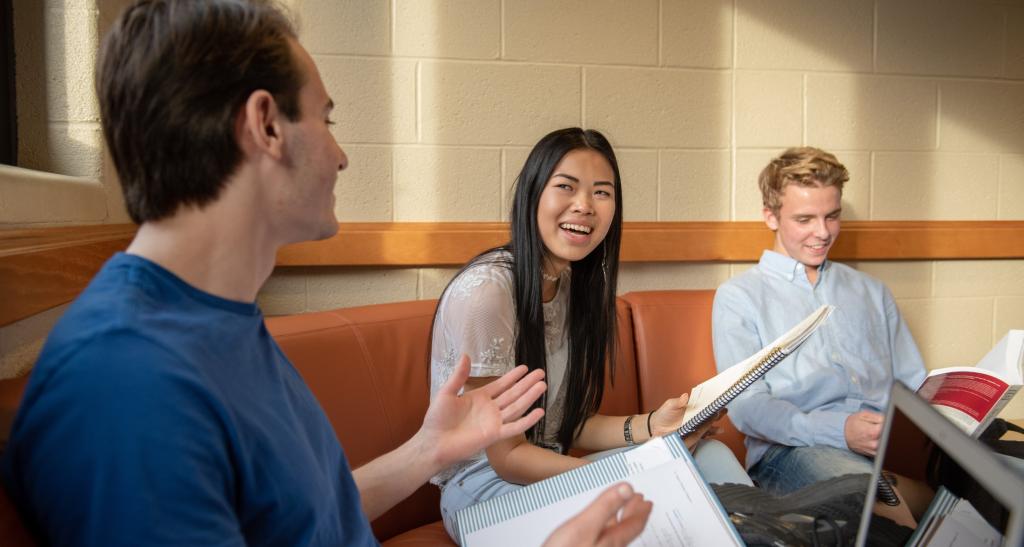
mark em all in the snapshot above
pixel 818 414
pixel 161 412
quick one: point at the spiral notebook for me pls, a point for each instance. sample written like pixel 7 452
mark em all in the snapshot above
pixel 711 396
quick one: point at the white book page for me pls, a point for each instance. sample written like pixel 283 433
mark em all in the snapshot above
pixel 1007 358
pixel 682 514
pixel 964 527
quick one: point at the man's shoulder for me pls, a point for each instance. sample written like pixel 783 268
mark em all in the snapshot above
pixel 747 283
pixel 848 275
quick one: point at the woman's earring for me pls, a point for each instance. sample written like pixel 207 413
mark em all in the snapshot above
pixel 604 262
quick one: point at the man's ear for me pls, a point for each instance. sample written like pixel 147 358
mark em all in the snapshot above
pixel 770 219
pixel 258 126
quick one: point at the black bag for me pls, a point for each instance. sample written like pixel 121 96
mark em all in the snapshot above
pixel 824 513
pixel 992 436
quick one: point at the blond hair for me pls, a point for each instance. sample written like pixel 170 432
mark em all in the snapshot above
pixel 804 166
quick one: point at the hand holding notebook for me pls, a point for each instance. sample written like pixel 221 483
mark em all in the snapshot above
pixel 707 398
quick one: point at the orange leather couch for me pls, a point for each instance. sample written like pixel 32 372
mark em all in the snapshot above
pixel 372 362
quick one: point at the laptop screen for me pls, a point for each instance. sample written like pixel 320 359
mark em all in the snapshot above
pixel 936 486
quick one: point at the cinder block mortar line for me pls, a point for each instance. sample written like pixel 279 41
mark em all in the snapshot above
pixel 999 187
pixel 392 26
pixel 995 322
pixel 501 30
pixel 803 113
pixel 76 124
pixel 874 37
pixel 583 97
pixel 671 68
pixel 657 187
pixel 938 115
pixel 661 33
pixel 305 292
pixel 931 282
pixel 517 62
pixel 1006 42
pixel 871 185
pixel 527 146
pixel 732 120
pixel 502 172
pixel 418 82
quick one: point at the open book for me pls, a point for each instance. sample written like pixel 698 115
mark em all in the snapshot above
pixel 707 398
pixel 971 397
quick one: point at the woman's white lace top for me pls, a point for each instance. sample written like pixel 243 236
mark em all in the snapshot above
pixel 476 316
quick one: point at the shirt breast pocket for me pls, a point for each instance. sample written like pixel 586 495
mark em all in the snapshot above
pixel 863 336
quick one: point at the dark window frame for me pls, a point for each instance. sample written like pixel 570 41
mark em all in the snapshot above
pixel 8 105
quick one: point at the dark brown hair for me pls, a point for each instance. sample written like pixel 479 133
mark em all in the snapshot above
pixel 172 76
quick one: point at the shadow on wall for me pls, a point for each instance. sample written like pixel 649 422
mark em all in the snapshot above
pixel 916 98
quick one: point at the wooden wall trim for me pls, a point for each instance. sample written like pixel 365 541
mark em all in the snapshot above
pixel 41 268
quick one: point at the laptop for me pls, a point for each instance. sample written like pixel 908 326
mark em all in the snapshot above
pixel 955 492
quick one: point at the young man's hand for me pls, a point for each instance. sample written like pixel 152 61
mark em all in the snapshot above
pixel 862 431
pixel 601 523
pixel 458 426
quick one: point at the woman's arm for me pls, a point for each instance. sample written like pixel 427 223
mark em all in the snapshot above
pixel 518 461
pixel 602 432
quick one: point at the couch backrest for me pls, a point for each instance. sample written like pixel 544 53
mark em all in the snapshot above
pixel 368 367
pixel 672 334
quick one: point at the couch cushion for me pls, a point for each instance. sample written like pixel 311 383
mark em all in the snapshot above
pixel 369 368
pixel 424 536
pixel 672 333
pixel 12 530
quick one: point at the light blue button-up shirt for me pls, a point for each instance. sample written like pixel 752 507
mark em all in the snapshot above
pixel 846 366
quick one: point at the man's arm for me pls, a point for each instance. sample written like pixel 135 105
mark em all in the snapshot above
pixel 756 412
pixel 455 428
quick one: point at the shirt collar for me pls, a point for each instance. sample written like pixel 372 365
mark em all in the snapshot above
pixel 786 267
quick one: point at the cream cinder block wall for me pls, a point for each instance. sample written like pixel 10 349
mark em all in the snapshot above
pixel 440 101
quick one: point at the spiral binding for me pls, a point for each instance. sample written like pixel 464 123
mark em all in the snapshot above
pixel 773 358
pixel 885 491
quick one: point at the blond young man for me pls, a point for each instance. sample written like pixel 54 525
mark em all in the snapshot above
pixel 818 414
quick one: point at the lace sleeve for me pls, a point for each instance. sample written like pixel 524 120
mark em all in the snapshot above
pixel 477 318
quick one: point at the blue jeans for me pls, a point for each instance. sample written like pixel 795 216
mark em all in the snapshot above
pixel 784 469
pixel 479 482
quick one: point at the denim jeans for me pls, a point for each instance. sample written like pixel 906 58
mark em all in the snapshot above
pixel 479 482
pixel 784 469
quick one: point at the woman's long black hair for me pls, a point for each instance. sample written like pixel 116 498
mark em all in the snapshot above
pixel 592 322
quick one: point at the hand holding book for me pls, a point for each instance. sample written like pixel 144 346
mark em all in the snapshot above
pixel 669 416
pixel 708 398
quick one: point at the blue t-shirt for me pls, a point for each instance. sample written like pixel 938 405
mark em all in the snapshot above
pixel 159 414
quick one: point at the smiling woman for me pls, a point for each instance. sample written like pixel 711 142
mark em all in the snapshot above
pixel 547 299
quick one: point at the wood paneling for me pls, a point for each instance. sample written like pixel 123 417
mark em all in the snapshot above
pixel 44 267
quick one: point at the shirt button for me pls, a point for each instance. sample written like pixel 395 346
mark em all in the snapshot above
pixel 853 378
pixel 835 356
